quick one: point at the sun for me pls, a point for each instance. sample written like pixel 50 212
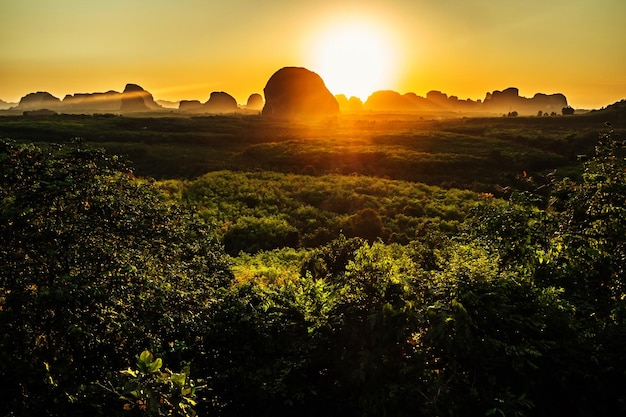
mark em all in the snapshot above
pixel 354 59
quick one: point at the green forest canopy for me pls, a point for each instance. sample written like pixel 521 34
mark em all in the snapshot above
pixel 514 308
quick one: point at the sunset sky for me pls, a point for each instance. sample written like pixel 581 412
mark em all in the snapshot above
pixel 186 49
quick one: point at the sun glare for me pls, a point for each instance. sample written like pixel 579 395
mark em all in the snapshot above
pixel 354 59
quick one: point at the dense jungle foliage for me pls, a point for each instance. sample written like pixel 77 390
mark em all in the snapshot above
pixel 279 293
pixel 267 210
pixel 468 153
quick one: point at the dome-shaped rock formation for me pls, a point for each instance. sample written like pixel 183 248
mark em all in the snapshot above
pixel 255 102
pixel 221 102
pixel 39 100
pixel 298 92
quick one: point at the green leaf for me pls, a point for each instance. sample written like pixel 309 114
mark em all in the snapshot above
pixel 155 365
pixel 145 358
pixel 148 364
pixel 129 372
pixel 190 401
pixel 179 379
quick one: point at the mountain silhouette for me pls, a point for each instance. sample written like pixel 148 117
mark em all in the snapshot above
pixel 298 92
pixel 388 100
pixel 4 105
pixel 255 102
pixel 352 104
pixel 92 102
pixel 505 101
pixel 168 104
pixel 39 100
pixel 136 99
pixel 611 114
pixel 194 106
pixel 132 99
pixel 221 102
pixel 510 100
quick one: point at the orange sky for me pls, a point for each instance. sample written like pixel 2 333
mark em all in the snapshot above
pixel 188 48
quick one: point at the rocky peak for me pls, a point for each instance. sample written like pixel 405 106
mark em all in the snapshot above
pixel 298 92
pixel 136 99
pixel 221 102
pixel 255 102
pixel 38 100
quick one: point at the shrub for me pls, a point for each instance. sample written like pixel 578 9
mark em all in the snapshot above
pixel 93 265
pixel 251 234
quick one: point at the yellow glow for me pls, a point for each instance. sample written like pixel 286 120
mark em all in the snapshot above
pixel 354 59
pixel 186 50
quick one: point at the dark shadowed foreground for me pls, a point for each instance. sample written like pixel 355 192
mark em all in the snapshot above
pixel 116 299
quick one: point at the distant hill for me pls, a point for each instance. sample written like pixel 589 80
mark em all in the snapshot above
pixel 4 105
pixel 193 106
pixel 617 107
pixel 509 100
pixel 612 113
pixel 168 104
pixel 108 102
pixel 297 92
pixel 39 101
pixel 132 99
pixel 499 102
pixel 220 102
pixel 136 99
pixel 352 104
pixel 255 102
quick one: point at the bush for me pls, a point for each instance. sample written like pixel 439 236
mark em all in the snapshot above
pixel 366 224
pixel 94 266
pixel 251 235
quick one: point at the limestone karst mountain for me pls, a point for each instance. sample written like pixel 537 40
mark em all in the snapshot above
pixel 220 102
pixel 39 100
pixel 133 99
pixel 136 99
pixel 168 104
pixel 352 104
pixel 388 100
pixel 496 102
pixel 4 105
pixel 510 100
pixel 92 102
pixel 298 92
pixel 190 106
pixel 255 102
pixel 295 92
